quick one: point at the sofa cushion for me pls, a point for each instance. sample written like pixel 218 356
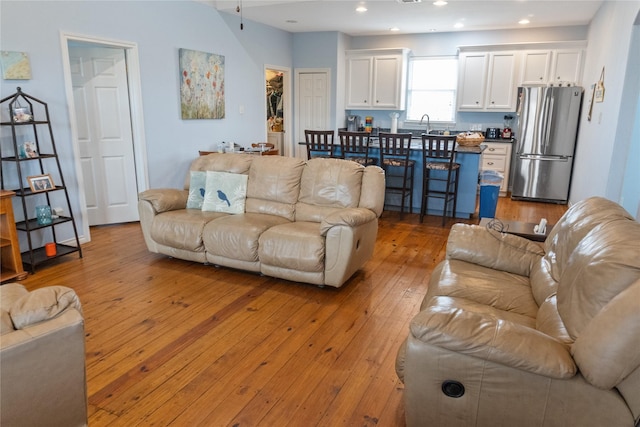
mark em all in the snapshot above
pixel 197 187
pixel 43 304
pixel 296 246
pixel 225 192
pixel 498 289
pixel 603 264
pixel 236 236
pixel 327 185
pixel 236 163
pixel 182 229
pixel 274 186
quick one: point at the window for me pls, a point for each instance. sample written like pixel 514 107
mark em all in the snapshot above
pixel 432 88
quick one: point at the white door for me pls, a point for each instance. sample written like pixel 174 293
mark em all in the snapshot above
pixel 312 105
pixel 101 99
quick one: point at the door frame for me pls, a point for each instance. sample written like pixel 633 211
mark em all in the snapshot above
pixel 135 106
pixel 286 110
pixel 325 71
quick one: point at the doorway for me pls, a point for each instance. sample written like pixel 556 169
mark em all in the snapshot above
pixel 104 97
pixel 278 108
pixel 312 103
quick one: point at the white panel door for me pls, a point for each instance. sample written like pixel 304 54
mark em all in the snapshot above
pixel 313 106
pixel 101 98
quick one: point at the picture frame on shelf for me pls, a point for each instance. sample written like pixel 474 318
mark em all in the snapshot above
pixel 22 115
pixel 28 150
pixel 40 183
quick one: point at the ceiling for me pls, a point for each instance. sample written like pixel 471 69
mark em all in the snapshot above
pixel 409 16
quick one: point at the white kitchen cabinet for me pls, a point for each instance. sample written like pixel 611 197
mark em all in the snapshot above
pixel 566 66
pixel 472 81
pixel 376 79
pixel 497 157
pixel 487 81
pixel 553 66
pixel 535 67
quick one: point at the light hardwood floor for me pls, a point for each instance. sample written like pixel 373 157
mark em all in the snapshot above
pixel 171 342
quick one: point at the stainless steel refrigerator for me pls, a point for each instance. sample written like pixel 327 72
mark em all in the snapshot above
pixel 545 145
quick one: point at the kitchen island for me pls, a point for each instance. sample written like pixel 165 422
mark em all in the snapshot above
pixel 469 160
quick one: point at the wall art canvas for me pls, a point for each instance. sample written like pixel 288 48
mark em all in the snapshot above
pixel 15 65
pixel 201 85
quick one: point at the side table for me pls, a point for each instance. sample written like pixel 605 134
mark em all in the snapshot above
pixel 9 245
pixel 519 228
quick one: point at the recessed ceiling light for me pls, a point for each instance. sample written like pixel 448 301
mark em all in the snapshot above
pixel 361 9
pixel 523 21
pixel 394 29
pixel 439 3
pixel 458 25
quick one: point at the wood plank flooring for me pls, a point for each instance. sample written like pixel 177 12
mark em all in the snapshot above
pixel 176 343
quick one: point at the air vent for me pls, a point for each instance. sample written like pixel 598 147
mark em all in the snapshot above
pixel 409 1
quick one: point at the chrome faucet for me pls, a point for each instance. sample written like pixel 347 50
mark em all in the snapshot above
pixel 428 122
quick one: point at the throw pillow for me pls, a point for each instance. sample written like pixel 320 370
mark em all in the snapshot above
pixel 197 185
pixel 225 192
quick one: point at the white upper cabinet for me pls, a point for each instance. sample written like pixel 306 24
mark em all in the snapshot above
pixel 566 66
pixel 376 79
pixel 555 66
pixel 487 81
pixel 472 81
pixel 501 90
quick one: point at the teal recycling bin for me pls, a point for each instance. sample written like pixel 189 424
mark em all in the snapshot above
pixel 490 182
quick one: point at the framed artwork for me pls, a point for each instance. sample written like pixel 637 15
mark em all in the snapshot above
pixel 15 65
pixel 39 183
pixel 27 150
pixel 201 85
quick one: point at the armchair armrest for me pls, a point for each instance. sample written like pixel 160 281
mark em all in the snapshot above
pixel 492 249
pixel 351 217
pixel 472 329
pixel 165 199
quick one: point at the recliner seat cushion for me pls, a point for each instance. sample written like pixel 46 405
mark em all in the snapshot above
pixel 182 229
pixel 295 246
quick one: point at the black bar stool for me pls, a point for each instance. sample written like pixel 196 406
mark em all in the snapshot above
pixel 398 169
pixel 355 146
pixel 438 155
pixel 319 143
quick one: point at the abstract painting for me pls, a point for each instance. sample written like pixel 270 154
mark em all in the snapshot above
pixel 201 85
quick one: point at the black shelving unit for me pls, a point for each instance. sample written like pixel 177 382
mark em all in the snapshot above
pixel 36 125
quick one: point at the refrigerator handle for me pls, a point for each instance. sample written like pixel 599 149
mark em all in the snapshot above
pixel 519 101
pixel 544 122
pixel 550 110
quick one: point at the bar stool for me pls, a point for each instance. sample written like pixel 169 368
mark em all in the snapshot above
pixel 319 143
pixel 355 146
pixel 398 169
pixel 438 154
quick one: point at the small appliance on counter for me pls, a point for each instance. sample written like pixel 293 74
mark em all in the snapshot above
pixel 506 132
pixel 353 123
pixel 493 133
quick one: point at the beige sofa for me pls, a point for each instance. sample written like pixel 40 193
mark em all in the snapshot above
pixel 513 333
pixel 42 358
pixel 314 222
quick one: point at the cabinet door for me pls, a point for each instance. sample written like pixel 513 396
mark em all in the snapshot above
pixel 535 67
pixel 386 79
pixel 567 66
pixel 359 78
pixel 501 83
pixel 473 79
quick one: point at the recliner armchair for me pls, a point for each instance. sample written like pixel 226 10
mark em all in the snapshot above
pixel 512 332
pixel 42 358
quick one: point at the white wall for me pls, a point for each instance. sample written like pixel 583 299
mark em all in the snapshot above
pixel 605 142
pixel 159 28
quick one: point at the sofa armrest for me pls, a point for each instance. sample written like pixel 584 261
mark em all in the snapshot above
pixel 351 217
pixel 165 199
pixel 469 328
pixel 492 249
